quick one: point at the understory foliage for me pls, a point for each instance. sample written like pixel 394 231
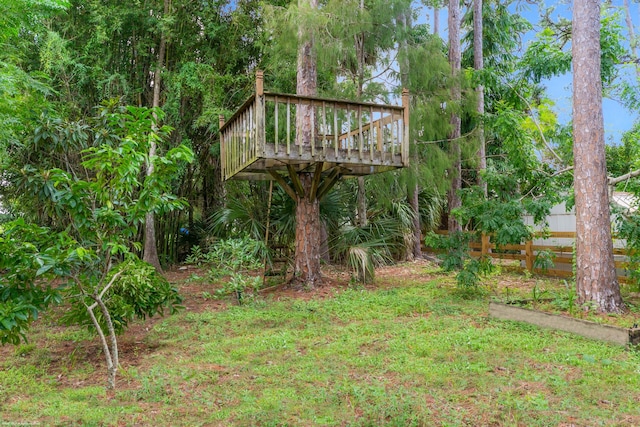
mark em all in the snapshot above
pixel 628 227
pixel 91 252
pixel 454 252
pixel 138 292
pixel 232 255
pixel 235 259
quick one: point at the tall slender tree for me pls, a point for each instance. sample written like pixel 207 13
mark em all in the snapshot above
pixel 596 279
pixel 478 65
pixel 455 171
pixel 150 253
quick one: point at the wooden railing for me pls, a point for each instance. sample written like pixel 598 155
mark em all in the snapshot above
pixel 366 137
pixel 527 253
pixel 240 138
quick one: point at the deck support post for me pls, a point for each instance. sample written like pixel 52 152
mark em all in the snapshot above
pixel 286 187
pixel 328 183
pixel 317 175
pixel 295 180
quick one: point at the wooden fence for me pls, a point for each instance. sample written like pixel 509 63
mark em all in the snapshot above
pixel 527 253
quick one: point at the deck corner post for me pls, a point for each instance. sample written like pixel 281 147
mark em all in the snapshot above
pixel 259 83
pixel 221 122
pixel 260 113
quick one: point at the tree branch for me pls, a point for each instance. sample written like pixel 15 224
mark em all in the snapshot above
pixel 632 174
pixel 544 140
pixel 106 288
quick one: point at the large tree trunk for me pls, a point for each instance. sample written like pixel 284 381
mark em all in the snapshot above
pixel 596 279
pixel 308 236
pixel 150 253
pixel 478 64
pixel 308 229
pixel 361 210
pixel 455 172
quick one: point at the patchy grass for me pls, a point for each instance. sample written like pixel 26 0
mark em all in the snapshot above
pixel 410 351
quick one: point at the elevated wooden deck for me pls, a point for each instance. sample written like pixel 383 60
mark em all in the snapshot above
pixel 347 138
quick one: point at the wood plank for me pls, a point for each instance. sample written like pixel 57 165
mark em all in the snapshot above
pixel 276 114
pixel 360 136
pixel 317 175
pixel 563 249
pixel 280 180
pixel 558 234
pixel 240 110
pixel 295 180
pixel 371 147
pixel 328 183
pixel 580 327
pixel 317 100
pixel 324 129
pixel 288 128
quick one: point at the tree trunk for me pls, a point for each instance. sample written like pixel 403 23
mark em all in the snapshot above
pixel 308 230
pixel 478 64
pixel 362 203
pixel 150 243
pixel 413 248
pixel 361 210
pixel 455 172
pixel 414 201
pixel 596 279
pixel 436 20
pixel 308 237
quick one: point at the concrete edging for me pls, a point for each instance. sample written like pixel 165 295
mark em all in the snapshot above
pixel 596 331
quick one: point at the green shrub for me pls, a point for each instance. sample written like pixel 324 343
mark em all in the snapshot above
pixel 230 255
pixel 138 292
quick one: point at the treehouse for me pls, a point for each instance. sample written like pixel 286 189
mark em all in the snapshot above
pixel 262 140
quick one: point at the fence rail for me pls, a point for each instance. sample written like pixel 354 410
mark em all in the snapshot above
pixel 527 253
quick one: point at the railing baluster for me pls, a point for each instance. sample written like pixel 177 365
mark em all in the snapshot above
pixel 276 114
pixel 251 126
pixel 245 143
pixel 379 134
pixel 312 109
pixel 360 136
pixel 234 154
pixel 399 135
pixel 299 122
pixel 324 129
pixel 371 133
pixel 335 131
pixel 348 132
pixel 288 126
pixel 393 145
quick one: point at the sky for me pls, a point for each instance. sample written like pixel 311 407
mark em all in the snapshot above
pixel 617 119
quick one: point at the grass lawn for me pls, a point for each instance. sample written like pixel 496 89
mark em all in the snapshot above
pixel 408 351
